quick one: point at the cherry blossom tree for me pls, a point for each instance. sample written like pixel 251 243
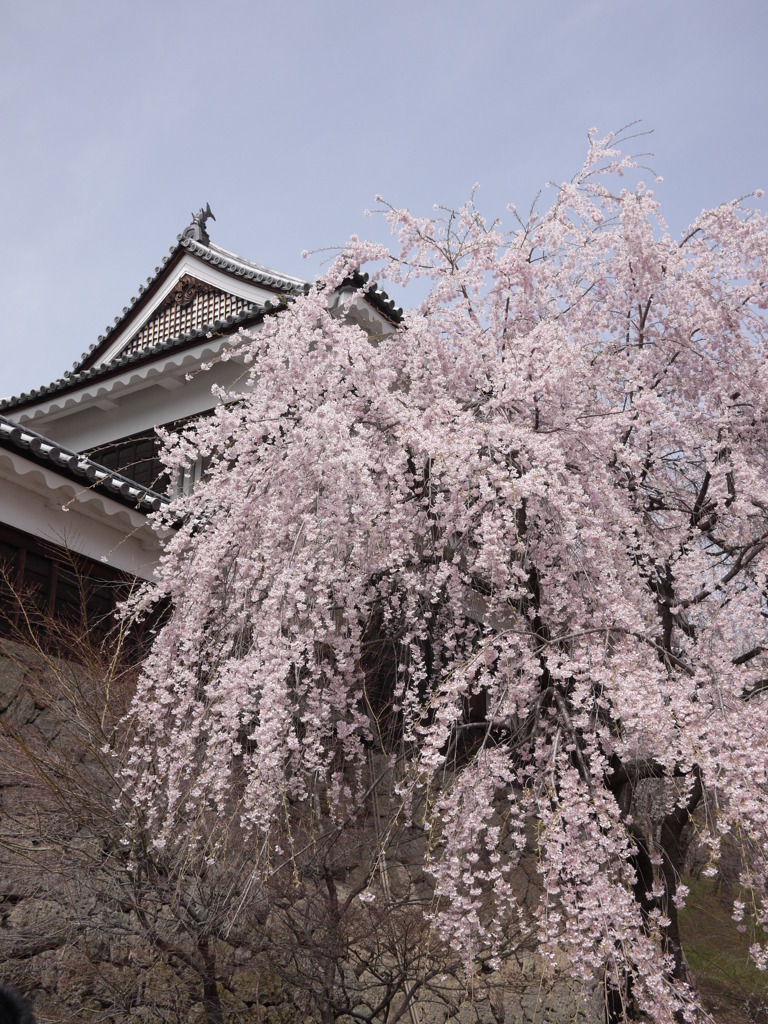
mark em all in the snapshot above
pixel 516 546
pixel 103 929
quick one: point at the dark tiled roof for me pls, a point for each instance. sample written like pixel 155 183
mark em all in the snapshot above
pixel 246 269
pixel 217 257
pixel 377 297
pixel 71 381
pixel 79 468
pixel 213 254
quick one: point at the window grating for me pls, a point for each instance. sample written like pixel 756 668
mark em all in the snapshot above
pixel 53 584
pixel 193 305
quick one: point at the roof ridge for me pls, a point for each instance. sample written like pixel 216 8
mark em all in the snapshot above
pixel 218 256
pixel 257 266
pixel 111 328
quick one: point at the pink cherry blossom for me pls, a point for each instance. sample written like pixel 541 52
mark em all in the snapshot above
pixel 516 547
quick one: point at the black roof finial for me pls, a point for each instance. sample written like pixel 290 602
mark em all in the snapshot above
pixel 196 230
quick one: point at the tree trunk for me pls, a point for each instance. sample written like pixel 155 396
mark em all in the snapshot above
pixel 211 1001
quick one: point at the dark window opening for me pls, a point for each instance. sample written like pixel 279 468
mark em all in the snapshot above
pixel 43 588
pixel 137 457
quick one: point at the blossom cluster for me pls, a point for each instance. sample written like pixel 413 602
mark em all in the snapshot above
pixel 517 542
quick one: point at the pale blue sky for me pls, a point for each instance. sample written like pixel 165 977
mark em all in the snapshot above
pixel 120 119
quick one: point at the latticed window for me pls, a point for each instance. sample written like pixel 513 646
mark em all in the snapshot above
pixel 192 305
pixel 39 583
pixel 136 457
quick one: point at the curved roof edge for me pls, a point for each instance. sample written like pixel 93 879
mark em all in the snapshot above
pixel 79 468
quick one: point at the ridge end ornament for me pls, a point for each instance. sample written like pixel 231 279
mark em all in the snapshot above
pixel 196 230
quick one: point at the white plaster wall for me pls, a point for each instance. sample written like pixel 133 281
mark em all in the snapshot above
pixel 75 516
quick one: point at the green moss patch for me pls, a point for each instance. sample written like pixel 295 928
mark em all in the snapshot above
pixel 732 989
